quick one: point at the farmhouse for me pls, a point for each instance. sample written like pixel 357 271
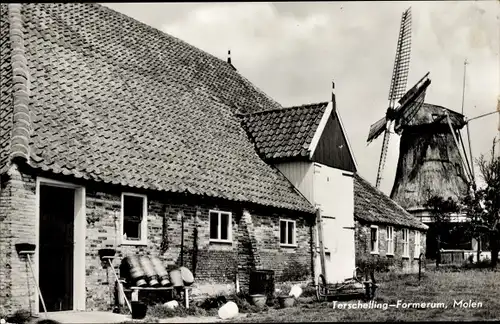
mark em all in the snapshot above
pixel 117 135
pixel 385 231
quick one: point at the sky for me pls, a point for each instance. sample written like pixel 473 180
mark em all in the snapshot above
pixel 293 51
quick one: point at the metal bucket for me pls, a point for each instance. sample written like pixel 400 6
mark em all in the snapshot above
pixel 139 310
pixel 176 278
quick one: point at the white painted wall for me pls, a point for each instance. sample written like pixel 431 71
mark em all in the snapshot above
pixel 333 192
pixel 300 174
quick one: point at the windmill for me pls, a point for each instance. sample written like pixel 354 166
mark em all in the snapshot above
pixel 402 106
pixel 432 156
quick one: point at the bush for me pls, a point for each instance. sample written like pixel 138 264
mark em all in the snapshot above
pixel 21 316
pixel 377 264
pixel 482 264
pixel 308 291
pixel 160 311
pixel 295 271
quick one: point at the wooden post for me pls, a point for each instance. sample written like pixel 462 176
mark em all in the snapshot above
pixel 182 237
pixel 420 266
pixel 320 241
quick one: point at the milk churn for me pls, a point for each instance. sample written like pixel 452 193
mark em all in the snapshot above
pixel 135 273
pixel 176 278
pixel 186 275
pixel 149 271
pixel 160 271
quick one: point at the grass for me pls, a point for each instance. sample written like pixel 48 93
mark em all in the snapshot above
pixel 439 286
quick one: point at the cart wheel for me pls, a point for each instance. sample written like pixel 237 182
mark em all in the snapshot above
pixel 321 288
pixel 320 294
pixel 373 290
pixel 358 274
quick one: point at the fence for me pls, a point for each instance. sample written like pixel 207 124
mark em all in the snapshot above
pixel 459 257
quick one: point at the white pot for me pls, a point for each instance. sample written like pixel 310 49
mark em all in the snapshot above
pixel 228 310
pixel 171 304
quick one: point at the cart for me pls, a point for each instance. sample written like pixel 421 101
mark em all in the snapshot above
pixel 353 288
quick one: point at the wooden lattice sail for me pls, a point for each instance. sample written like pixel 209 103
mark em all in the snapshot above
pixel 429 158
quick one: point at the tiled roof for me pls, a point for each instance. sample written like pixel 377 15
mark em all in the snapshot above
pixel 5 86
pixel 116 101
pixel 284 133
pixel 373 206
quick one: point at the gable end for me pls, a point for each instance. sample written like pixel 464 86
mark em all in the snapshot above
pixel 333 148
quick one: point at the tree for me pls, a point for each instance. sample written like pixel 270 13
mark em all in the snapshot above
pixel 441 209
pixel 482 205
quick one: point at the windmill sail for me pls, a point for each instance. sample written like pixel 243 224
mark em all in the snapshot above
pixel 399 73
pixel 402 59
pixel 411 103
pixel 396 89
pixel 377 129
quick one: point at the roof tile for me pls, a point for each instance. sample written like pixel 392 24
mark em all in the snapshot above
pixel 116 101
pixel 373 206
pixel 284 133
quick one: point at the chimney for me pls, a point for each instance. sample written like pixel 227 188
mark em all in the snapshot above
pixel 334 103
pixel 333 91
pixel 229 59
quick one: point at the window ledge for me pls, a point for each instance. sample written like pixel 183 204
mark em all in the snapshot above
pixel 289 245
pixel 220 241
pixel 405 256
pixel 131 242
pixel 389 254
pixel 375 252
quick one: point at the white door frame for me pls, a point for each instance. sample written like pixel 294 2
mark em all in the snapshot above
pixel 79 294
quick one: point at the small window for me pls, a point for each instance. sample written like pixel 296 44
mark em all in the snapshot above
pixel 220 226
pixel 417 246
pixel 287 232
pixel 374 239
pixel 134 219
pixel 390 240
pixel 406 243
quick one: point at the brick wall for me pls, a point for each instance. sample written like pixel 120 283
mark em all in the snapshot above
pixel 255 242
pixel 397 262
pixel 17 225
pixel 215 265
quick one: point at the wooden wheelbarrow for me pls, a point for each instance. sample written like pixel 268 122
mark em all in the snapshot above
pixel 353 288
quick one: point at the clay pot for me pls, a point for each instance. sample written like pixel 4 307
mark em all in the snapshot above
pixel 258 300
pixel 286 301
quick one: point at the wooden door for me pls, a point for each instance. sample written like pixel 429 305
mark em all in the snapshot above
pixel 57 211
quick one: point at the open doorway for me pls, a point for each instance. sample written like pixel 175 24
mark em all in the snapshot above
pixel 56 254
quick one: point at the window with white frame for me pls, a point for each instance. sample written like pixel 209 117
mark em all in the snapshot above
pixel 390 240
pixel 220 226
pixel 417 246
pixel 133 218
pixel 374 239
pixel 406 242
pixel 287 232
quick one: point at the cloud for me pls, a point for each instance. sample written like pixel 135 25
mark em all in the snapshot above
pixel 253 32
pixel 293 51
